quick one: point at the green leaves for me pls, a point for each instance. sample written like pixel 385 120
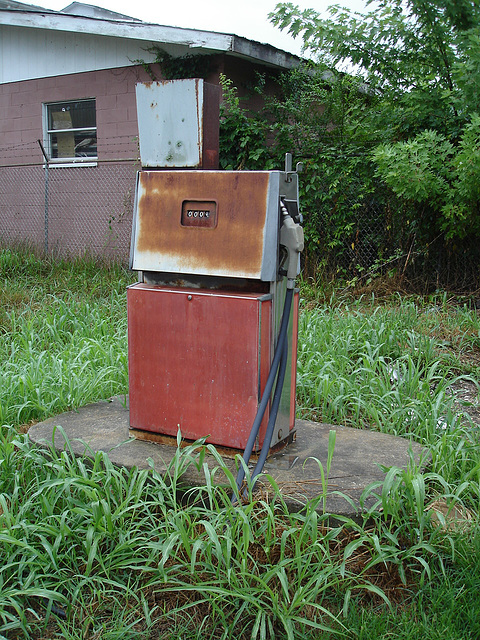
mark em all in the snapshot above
pixel 429 169
pixel 396 46
pixel 418 169
pixel 243 133
pixel 421 65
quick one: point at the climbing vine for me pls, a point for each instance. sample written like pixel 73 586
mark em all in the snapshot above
pixel 180 67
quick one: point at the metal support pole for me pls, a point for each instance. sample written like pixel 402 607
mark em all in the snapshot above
pixel 46 194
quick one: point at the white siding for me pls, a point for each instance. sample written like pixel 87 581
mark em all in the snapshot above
pixel 38 53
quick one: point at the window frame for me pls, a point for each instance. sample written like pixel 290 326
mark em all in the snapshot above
pixel 76 161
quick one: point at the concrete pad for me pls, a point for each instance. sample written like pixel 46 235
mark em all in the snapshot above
pixel 357 460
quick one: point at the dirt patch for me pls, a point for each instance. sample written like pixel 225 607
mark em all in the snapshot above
pixel 466 394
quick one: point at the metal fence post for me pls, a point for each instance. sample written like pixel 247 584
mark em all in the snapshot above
pixel 46 195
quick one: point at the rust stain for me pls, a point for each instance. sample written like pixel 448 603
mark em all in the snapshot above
pixel 150 83
pixel 237 240
pixel 224 451
pixel 199 122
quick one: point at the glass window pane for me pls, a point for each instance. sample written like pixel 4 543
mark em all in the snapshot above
pixel 75 115
pixel 74 145
pixel 78 114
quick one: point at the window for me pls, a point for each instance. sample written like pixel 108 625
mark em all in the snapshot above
pixel 71 132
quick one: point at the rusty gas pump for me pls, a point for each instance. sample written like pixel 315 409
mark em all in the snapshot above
pixel 213 320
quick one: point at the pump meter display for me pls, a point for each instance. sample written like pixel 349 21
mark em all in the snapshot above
pixel 199 214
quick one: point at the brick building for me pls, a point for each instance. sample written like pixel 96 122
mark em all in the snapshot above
pixel 67 90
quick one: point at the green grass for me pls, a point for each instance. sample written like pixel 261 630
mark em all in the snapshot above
pixel 62 334
pixel 99 546
pixel 91 551
pixel 387 367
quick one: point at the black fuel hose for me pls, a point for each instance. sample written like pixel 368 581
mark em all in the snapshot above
pixel 277 357
pixel 267 441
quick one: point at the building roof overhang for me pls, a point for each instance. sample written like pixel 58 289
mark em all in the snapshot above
pixel 194 41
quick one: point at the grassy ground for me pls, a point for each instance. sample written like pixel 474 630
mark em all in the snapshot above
pixel 91 551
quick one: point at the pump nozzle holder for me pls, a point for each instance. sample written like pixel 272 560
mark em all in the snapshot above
pixel 291 237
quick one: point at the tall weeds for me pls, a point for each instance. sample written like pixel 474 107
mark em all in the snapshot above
pixel 394 368
pixel 88 550
pixel 81 539
pixel 62 335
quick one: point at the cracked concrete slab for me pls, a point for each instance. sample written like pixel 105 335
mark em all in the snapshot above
pixel 360 456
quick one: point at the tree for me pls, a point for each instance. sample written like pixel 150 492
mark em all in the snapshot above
pixel 421 58
pixel 420 53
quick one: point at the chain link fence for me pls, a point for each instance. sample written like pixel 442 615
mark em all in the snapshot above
pixel 68 210
pixel 363 236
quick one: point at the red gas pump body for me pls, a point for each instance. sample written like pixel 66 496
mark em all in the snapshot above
pixel 199 360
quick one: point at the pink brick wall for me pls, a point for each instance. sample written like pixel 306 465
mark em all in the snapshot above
pixel 114 91
pixel 22 205
pixel 98 220
pixel 89 208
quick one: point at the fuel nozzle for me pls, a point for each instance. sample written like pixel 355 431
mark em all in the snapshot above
pixel 291 237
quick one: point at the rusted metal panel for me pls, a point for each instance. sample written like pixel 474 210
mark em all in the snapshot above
pixel 243 243
pixel 212 95
pixel 294 350
pixel 285 423
pixel 178 123
pixel 195 357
